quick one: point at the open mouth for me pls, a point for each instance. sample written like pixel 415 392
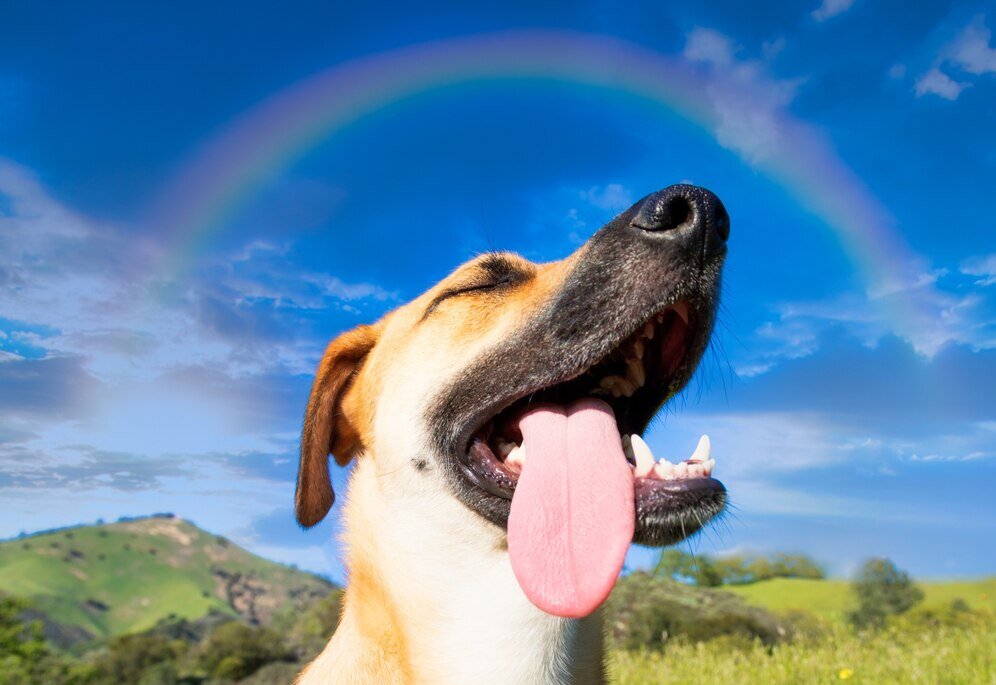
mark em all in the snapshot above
pixel 673 499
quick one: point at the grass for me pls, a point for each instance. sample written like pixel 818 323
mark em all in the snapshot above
pixel 124 577
pixel 942 656
pixel 909 652
pixel 832 599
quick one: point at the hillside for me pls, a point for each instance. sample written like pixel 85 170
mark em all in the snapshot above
pixel 124 577
pixel 832 599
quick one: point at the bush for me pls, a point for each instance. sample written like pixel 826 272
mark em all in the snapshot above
pixel 312 629
pixel 646 612
pixel 883 590
pixel 129 658
pixel 234 651
pixel 161 674
pixel 22 648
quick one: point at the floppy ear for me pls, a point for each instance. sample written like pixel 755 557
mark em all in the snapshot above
pixel 327 429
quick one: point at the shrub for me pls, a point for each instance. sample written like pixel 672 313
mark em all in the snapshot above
pixel 161 674
pixel 647 612
pixel 234 651
pixel 130 657
pixel 22 648
pixel 883 590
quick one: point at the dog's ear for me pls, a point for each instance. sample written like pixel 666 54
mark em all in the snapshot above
pixel 327 428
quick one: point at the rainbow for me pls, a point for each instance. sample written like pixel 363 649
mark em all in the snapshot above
pixel 256 146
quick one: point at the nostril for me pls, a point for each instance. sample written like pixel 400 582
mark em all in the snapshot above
pixel 672 213
pixel 721 220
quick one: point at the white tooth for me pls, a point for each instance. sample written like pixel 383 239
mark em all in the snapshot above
pixel 627 445
pixel 648 330
pixel 681 470
pixel 681 309
pixel 644 457
pixel 708 466
pixel 664 470
pixel 504 447
pixel 635 373
pixel 702 450
pixel 516 458
pixel 638 348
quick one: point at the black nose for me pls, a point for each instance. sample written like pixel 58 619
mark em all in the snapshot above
pixel 686 213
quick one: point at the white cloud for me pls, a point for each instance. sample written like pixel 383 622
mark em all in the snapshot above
pixel 613 197
pixel 171 391
pixel 831 8
pixel 936 82
pixel 709 46
pixel 748 102
pixel 760 455
pixel 772 48
pixel 971 51
pixel 970 456
pixel 927 307
pixel 749 445
pixel 897 71
pixel 984 267
pixel 72 276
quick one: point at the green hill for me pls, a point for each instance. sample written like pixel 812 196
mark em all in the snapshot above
pixel 832 599
pixel 124 577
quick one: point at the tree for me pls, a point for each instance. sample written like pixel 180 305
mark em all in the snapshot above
pixel 22 648
pixel 312 629
pixel 883 590
pixel 234 651
pixel 709 571
pixel 129 658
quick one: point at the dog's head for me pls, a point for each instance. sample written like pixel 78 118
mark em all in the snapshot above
pixel 438 386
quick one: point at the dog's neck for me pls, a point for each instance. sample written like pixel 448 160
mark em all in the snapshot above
pixel 431 598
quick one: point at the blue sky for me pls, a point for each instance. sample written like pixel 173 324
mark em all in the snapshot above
pixel 841 429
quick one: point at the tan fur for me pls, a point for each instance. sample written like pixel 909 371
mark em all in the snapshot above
pixel 430 597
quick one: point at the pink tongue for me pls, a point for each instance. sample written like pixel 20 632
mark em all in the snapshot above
pixel 572 512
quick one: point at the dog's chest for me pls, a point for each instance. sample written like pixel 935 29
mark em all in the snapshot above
pixel 489 633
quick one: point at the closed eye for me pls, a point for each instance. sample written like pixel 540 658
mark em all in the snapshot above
pixel 466 289
pixel 494 272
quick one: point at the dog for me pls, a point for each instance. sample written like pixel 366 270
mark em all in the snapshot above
pixel 495 423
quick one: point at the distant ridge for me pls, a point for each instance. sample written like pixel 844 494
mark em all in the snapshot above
pixel 114 578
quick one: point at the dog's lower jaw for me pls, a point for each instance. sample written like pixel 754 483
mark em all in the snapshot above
pixel 431 598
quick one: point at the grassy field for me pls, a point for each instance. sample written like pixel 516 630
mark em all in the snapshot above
pixel 946 656
pixel 124 577
pixel 832 599
pixel 908 652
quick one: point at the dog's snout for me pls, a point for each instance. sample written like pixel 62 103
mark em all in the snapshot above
pixel 686 213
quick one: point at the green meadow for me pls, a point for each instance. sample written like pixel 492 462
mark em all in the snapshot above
pixel 930 645
pixel 900 656
pixel 832 599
